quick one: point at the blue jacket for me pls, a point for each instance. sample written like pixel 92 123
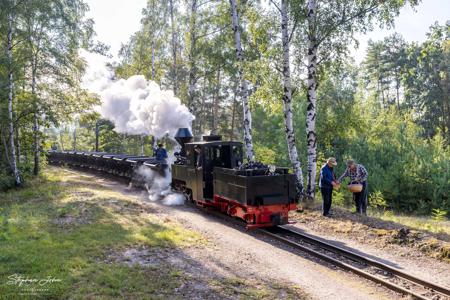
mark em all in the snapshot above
pixel 326 177
pixel 161 154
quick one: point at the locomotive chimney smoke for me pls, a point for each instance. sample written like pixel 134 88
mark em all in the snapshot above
pixel 183 136
pixel 135 105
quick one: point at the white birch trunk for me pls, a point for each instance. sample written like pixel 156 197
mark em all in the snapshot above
pixel 174 48
pixel 14 167
pixel 311 101
pixel 243 91
pixel 287 102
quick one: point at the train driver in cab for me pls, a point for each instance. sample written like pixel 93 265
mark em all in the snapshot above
pixel 199 152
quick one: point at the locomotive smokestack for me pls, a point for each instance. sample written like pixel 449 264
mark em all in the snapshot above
pixel 183 136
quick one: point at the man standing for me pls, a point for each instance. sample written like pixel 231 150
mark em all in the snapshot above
pixel 358 175
pixel 326 183
pixel 161 153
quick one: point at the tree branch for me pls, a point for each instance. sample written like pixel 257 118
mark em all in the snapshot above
pixel 345 20
pixel 273 2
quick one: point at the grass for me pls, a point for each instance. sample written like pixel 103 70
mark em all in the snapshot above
pixel 426 234
pixel 63 235
pixel 424 223
pixel 55 234
pixel 415 222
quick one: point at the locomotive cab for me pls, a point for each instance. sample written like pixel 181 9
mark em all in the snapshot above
pixel 213 153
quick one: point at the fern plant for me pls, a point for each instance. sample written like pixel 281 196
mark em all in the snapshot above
pixel 438 214
pixel 376 199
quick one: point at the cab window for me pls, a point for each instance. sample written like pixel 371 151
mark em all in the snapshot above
pixel 237 151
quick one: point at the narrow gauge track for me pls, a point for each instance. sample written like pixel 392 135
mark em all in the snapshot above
pixel 394 279
pixel 373 270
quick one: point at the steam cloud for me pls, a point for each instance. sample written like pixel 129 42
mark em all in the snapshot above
pixel 139 107
pixel 135 105
pixel 158 187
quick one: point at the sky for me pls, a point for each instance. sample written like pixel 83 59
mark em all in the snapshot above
pixel 117 20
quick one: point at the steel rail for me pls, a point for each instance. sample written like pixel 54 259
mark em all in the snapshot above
pixel 355 257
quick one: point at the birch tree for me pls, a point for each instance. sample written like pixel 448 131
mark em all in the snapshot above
pixel 330 29
pixel 51 34
pixel 243 90
pixel 311 100
pixel 287 96
pixel 14 167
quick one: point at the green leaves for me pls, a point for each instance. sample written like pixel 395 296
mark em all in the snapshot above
pixel 438 214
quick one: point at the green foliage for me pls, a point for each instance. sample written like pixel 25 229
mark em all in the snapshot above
pixel 438 214
pixel 407 173
pixel 265 154
pixel 340 199
pixel 377 200
pixel 411 172
pixel 391 114
pixel 46 71
pixel 6 180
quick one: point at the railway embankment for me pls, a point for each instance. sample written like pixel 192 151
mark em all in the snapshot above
pixel 407 242
pixel 417 236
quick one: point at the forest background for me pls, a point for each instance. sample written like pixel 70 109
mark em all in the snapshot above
pixel 391 112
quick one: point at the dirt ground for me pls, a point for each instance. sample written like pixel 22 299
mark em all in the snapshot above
pixel 232 258
pixel 424 254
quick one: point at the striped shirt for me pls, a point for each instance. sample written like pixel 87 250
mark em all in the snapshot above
pixel 358 175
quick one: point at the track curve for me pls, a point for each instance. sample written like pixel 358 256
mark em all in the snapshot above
pixel 373 270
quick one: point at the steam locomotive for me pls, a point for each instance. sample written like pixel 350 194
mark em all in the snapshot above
pixel 261 196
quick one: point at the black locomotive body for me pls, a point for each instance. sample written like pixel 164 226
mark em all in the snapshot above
pixel 260 196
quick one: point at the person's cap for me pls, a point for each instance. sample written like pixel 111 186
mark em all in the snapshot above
pixel 160 145
pixel 350 162
pixel 332 161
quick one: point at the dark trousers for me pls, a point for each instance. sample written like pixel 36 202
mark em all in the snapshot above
pixel 327 195
pixel 361 199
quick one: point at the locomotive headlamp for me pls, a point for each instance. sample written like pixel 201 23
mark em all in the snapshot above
pixel 272 168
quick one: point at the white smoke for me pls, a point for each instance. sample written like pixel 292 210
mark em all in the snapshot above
pixel 135 105
pixel 158 187
pixel 139 107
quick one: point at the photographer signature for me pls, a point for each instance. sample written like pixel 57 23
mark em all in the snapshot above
pixel 20 280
